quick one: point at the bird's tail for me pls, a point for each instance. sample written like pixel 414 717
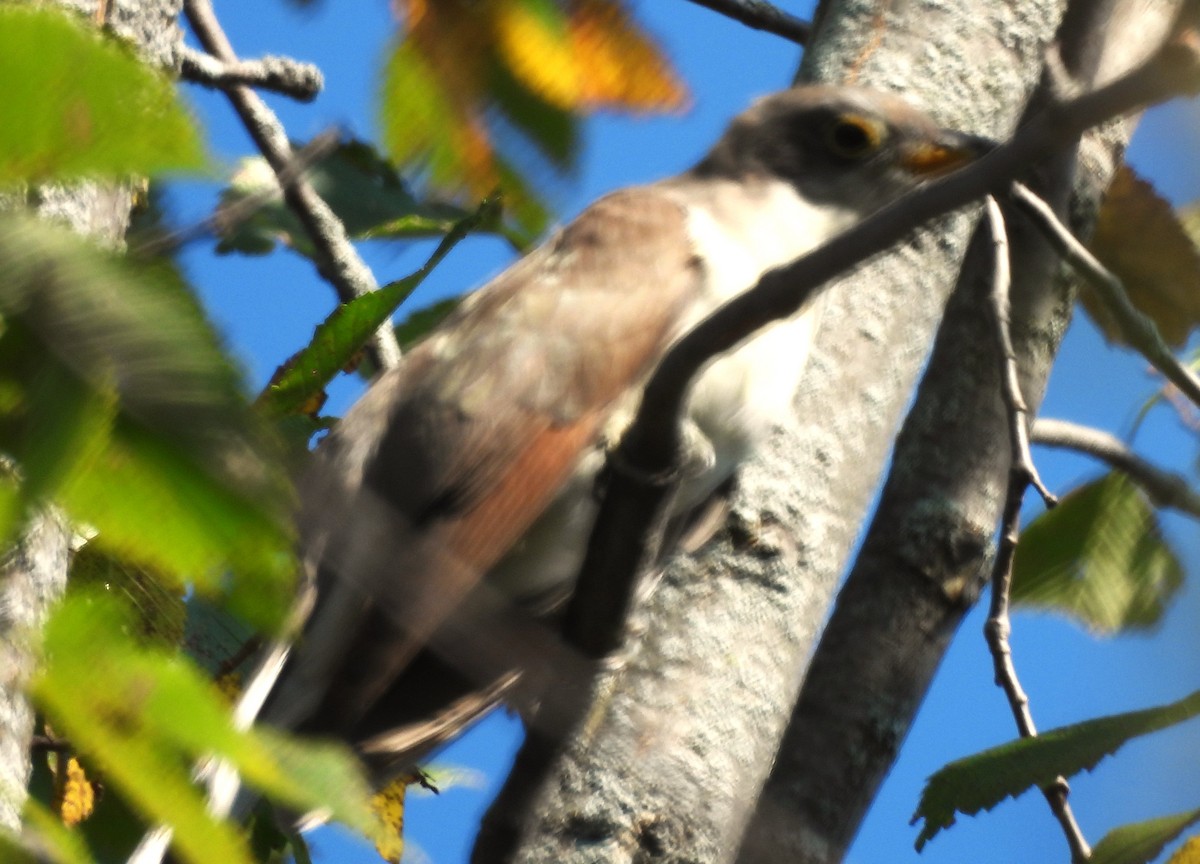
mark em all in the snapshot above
pixel 224 785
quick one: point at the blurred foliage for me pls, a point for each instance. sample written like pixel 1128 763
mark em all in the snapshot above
pixel 77 104
pixel 112 379
pixel 1162 278
pixel 358 184
pixel 418 324
pixel 1141 842
pixel 1188 853
pixel 158 600
pixel 467 73
pixel 143 715
pixel 1100 557
pixel 45 840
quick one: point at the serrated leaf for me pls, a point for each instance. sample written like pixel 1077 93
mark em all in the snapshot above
pixel 982 781
pixel 1143 242
pixel 79 104
pixel 340 336
pixel 359 185
pixel 1100 557
pixel 1141 842
pixel 128 414
pixel 143 715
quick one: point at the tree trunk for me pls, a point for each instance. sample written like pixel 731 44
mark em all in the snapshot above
pixel 927 553
pixel 34 573
pixel 680 740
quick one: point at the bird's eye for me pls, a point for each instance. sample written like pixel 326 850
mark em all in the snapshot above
pixel 853 136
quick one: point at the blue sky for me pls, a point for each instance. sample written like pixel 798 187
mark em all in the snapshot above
pixel 267 308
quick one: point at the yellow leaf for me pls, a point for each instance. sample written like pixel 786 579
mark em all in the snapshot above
pixel 540 54
pixel 624 69
pixel 1142 240
pixel 388 804
pixel 229 686
pixel 440 89
pixel 74 795
pixel 1188 853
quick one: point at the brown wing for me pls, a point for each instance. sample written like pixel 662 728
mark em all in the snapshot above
pixel 449 459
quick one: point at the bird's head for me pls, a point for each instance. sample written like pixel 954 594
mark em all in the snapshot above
pixel 853 148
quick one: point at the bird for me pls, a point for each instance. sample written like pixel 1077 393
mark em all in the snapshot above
pixel 469 474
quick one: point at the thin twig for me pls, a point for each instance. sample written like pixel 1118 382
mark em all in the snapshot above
pixel 301 81
pixel 997 630
pixel 1165 488
pixel 49 744
pixel 337 259
pixel 1010 374
pixel 1021 475
pixel 1138 329
pixel 762 16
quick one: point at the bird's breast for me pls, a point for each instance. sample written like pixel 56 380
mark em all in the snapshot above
pixel 738 235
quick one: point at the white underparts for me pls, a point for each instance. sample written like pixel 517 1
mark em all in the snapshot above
pixel 740 231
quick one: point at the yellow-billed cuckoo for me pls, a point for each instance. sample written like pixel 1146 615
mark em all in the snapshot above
pixel 476 458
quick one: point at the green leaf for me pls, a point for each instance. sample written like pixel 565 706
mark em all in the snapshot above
pixel 54 841
pixel 1140 842
pixel 77 104
pixel 340 336
pixel 418 325
pixel 417 119
pixel 142 715
pixel 554 130
pixel 125 410
pixel 360 186
pixel 426 126
pixel 1099 556
pixel 107 698
pixel 158 600
pixel 982 781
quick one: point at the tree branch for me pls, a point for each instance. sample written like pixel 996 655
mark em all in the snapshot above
pixel 337 259
pixel 301 81
pixel 1021 474
pixel 1010 382
pixel 762 16
pixel 996 630
pixel 927 548
pixel 1139 330
pixel 1165 488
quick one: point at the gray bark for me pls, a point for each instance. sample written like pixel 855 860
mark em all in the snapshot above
pixel 679 742
pixel 927 553
pixel 33 574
